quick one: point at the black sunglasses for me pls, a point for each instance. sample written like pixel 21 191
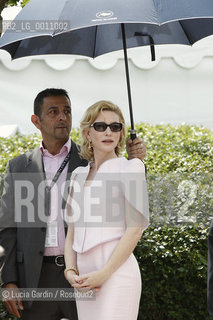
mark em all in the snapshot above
pixel 102 126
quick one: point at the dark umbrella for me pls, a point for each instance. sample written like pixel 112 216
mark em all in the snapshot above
pixel 95 27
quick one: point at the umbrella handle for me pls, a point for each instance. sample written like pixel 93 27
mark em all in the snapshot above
pixel 152 44
pixel 132 134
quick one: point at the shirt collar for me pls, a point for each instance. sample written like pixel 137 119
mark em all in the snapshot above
pixel 65 149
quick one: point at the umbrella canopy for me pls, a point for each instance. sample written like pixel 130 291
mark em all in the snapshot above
pixel 95 27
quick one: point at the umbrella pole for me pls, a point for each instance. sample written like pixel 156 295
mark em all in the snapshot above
pixel 132 131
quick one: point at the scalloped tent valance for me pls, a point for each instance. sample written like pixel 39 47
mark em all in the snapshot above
pixel 174 89
pixel 184 57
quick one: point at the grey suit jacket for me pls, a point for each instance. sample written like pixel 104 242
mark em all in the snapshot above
pixel 24 240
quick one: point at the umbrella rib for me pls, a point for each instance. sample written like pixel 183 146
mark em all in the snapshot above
pixel 94 48
pixel 16 49
pixel 185 32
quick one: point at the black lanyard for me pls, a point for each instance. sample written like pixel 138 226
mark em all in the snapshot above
pixel 58 173
pixel 54 180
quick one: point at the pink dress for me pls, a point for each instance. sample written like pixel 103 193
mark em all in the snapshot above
pixel 99 215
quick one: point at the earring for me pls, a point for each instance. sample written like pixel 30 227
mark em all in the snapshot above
pixel 90 145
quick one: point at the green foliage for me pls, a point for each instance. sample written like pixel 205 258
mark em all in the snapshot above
pixel 12 3
pixel 15 2
pixel 181 149
pixel 14 146
pixel 179 172
pixel 173 264
pixel 173 251
pixel 24 2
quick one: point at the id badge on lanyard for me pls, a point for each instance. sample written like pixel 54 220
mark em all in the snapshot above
pixel 52 234
pixel 52 226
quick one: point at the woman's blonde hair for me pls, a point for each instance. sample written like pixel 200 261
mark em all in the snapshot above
pixel 89 118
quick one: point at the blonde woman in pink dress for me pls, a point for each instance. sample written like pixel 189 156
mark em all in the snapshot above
pixel 107 213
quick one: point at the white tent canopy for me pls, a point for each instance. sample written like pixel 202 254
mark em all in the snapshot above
pixel 174 89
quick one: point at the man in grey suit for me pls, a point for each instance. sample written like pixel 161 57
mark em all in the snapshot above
pixel 32 226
